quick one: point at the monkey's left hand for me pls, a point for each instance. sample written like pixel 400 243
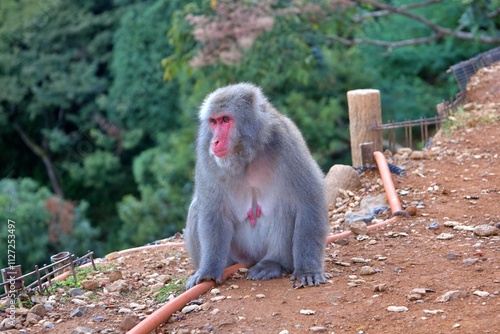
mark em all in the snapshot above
pixel 308 278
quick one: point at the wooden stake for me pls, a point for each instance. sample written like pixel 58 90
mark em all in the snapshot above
pixel 364 112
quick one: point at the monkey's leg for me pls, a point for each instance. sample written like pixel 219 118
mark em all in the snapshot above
pixel 278 259
pixel 265 269
pixel 308 246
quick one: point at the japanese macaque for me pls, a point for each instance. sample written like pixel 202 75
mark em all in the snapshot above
pixel 259 196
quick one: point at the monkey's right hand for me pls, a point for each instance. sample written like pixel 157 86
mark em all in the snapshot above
pixel 203 275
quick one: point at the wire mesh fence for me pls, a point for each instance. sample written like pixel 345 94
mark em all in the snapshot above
pixel 464 70
pixel 426 127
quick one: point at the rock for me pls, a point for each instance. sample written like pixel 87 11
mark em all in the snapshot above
pixel 397 309
pixel 32 318
pixel 164 279
pixel 99 319
pixel 39 310
pixel 404 150
pixel 137 307
pixel 433 225
pixel 118 286
pixel 124 310
pixel 433 311
pixel 155 287
pixel 78 312
pixel 78 302
pixel 190 308
pixel 317 329
pixel 486 230
pixel 358 228
pixel 22 311
pixel 218 298
pixel 451 295
pixel 75 292
pixel 417 155
pixel 360 260
pixel 470 261
pixel 367 270
pixel 215 291
pixel 414 296
pixel 421 291
pixel 445 236
pixel 91 285
pixel 380 287
pixel 481 293
pixel 340 177
pixel 307 312
pixel 7 324
pixel 114 276
pixel 82 330
pixel 373 201
pixel 129 322
pixel 48 325
pixel 412 210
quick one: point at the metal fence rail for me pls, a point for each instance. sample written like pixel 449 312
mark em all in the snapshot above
pixel 13 280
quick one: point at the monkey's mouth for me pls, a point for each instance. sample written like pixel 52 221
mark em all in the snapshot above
pixel 221 154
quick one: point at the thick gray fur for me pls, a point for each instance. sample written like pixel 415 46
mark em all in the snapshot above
pixel 271 161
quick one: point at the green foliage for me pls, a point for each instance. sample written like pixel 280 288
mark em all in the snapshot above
pixel 81 274
pixel 175 288
pixel 413 79
pixel 164 176
pixel 24 201
pixel 138 97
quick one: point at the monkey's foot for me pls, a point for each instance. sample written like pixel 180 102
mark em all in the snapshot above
pixel 308 279
pixel 251 217
pixel 265 270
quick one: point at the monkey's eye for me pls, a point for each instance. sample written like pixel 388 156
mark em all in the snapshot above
pixel 225 119
pixel 213 121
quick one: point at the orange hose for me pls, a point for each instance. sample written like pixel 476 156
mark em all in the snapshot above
pixel 154 320
pixel 385 174
pixel 346 234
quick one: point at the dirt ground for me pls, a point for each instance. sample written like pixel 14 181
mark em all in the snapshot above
pixel 457 180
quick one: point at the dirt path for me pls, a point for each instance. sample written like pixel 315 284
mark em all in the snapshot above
pixel 457 181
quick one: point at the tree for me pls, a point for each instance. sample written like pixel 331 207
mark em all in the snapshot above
pixel 43 223
pixel 479 21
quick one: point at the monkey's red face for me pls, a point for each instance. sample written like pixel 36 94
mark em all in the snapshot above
pixel 221 126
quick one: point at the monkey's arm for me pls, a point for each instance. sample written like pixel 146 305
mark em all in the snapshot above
pixel 213 236
pixel 309 244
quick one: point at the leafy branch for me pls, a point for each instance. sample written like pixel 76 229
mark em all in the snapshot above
pixel 439 32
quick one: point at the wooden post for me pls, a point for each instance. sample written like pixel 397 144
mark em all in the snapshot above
pixel 364 112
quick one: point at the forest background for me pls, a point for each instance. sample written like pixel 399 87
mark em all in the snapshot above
pixel 98 98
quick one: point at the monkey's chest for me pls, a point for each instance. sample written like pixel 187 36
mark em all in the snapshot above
pixel 253 207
